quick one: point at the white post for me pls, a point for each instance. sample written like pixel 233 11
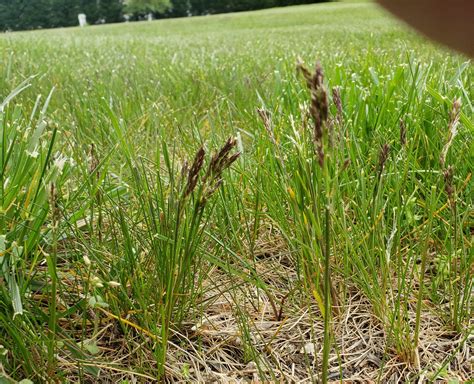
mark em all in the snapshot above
pixel 150 17
pixel 82 19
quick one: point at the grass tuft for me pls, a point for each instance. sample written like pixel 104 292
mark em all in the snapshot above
pixel 185 206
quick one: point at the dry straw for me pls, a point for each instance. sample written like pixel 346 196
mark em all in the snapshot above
pixel 452 129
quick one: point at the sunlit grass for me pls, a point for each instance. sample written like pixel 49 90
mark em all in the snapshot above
pixel 116 268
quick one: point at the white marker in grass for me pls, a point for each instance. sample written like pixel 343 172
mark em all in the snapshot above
pixel 82 19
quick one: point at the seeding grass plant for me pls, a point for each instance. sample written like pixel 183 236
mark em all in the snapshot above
pixel 279 195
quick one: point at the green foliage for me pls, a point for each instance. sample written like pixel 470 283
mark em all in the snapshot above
pixel 24 14
pixel 180 8
pixel 29 171
pixel 201 7
pixel 147 6
pixel 27 14
pixel 118 281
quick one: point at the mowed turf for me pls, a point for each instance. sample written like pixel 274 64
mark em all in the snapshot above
pixel 151 260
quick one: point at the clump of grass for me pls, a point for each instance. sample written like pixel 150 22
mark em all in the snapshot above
pixel 165 242
pixel 29 170
pixel 376 216
pixel 311 182
pixel 319 114
pixel 98 291
pixel 459 281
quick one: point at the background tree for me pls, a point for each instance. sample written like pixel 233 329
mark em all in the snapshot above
pixel 110 10
pixel 33 14
pixel 24 14
pixel 148 6
pixel 179 8
pixel 199 7
pixel 63 13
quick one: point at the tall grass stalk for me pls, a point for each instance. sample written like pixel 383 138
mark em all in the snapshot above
pixel 108 290
pixel 167 235
pixel 27 168
pixel 431 209
pixel 52 260
pixel 310 190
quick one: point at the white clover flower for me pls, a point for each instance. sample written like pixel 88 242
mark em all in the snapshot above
pixel 34 154
pixel 87 261
pixel 59 162
pixel 96 282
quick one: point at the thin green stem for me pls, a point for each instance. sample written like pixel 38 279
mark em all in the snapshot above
pixel 424 257
pixel 327 298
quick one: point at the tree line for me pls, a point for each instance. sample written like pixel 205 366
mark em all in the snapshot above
pixel 181 8
pixel 34 14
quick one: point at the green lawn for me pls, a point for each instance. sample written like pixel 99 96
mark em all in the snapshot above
pixel 334 247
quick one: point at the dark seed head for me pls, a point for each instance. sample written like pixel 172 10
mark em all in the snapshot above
pixel 193 173
pixel 219 162
pixel 403 133
pixel 383 156
pixel 319 105
pixel 448 175
pixel 336 98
